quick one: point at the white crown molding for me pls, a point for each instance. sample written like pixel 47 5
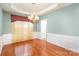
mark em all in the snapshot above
pixel 17 10
pixel 10 7
pixel 37 13
pixel 47 9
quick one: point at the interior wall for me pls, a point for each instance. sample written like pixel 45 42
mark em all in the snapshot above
pixel 6 25
pixel 67 42
pixel 1 12
pixel 63 21
pixel 62 27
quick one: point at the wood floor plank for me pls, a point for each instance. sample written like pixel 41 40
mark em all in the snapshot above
pixel 37 48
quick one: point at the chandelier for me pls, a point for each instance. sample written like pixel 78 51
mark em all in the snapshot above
pixel 33 18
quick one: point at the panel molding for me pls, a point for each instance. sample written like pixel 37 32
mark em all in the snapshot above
pixel 66 41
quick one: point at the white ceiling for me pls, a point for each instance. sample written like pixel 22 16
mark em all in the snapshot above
pixel 32 8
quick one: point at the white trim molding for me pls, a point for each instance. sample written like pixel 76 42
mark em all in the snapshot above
pixel 66 41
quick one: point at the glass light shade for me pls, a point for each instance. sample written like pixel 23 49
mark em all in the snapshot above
pixel 33 18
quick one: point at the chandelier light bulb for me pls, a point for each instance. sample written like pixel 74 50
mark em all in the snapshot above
pixel 33 18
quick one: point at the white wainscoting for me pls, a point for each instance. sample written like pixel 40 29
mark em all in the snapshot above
pixel 5 39
pixel 1 44
pixel 68 42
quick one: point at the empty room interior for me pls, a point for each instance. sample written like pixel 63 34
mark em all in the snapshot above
pixel 39 29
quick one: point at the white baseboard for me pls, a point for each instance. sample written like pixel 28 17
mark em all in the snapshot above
pixel 68 42
pixel 5 39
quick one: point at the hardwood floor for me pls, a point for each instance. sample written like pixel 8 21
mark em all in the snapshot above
pixel 35 47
